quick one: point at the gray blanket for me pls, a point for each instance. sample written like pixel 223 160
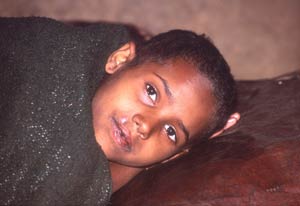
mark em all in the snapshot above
pixel 48 74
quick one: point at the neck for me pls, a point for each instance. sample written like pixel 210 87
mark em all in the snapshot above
pixel 122 174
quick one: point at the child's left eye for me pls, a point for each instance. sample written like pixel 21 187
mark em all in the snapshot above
pixel 171 132
pixel 151 92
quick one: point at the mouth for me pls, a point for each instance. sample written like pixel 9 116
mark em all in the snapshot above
pixel 121 135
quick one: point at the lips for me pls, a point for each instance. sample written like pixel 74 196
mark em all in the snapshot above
pixel 121 135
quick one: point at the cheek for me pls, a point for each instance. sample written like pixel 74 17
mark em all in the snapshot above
pixel 129 102
pixel 143 98
pixel 155 150
pixel 133 99
pixel 119 97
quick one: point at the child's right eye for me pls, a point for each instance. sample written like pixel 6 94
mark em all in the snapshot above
pixel 151 91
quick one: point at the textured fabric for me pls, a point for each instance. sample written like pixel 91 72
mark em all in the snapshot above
pixel 49 72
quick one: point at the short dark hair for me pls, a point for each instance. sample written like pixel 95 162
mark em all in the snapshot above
pixel 199 51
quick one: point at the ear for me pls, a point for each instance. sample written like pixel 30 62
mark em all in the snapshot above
pixel 232 120
pixel 119 57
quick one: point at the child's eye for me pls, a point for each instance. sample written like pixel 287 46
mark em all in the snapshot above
pixel 171 132
pixel 151 92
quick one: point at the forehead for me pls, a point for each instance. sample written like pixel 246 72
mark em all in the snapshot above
pixel 193 101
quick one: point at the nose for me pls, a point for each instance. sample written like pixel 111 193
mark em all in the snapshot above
pixel 144 125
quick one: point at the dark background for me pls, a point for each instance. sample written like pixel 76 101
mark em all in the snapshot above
pixel 259 38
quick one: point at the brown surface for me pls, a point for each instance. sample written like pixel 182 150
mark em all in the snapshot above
pixel 255 163
pixel 258 38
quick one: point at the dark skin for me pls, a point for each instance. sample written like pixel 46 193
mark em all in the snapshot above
pixel 141 115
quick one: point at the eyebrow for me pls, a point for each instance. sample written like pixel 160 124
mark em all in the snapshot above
pixel 185 131
pixel 170 96
pixel 166 86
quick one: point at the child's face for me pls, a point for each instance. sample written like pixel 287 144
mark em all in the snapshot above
pixel 146 114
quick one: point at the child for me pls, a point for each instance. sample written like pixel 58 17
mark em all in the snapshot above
pixel 175 90
pixel 57 130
